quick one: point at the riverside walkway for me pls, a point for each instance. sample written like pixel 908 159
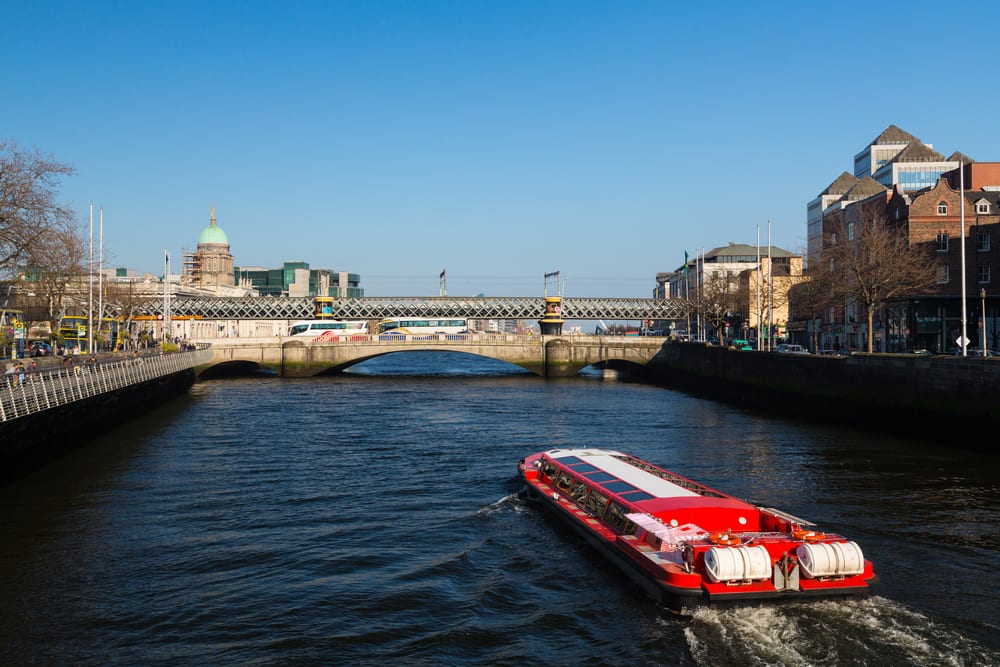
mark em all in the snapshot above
pixel 52 387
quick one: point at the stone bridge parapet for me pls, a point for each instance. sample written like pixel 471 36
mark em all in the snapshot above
pixel 547 356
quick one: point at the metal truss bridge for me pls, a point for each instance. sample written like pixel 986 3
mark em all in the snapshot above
pixel 372 308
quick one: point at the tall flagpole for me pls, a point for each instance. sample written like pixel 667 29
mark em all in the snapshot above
pixel 166 297
pixel 100 277
pixel 760 275
pixel 770 291
pixel 961 190
pixel 90 286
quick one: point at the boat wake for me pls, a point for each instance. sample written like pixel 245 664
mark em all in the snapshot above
pixel 511 500
pixel 870 631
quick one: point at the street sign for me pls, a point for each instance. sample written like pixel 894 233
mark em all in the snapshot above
pixel 962 341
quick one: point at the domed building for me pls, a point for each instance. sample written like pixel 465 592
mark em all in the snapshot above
pixel 211 265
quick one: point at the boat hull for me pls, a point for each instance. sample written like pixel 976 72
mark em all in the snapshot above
pixel 698 569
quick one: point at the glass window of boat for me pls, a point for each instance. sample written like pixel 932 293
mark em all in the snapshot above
pixel 549 469
pixel 582 467
pixel 616 516
pixel 579 492
pixel 597 503
pixel 600 476
pixel 564 481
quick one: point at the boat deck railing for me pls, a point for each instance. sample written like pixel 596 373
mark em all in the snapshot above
pixel 48 388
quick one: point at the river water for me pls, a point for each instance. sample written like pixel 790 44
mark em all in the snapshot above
pixel 376 518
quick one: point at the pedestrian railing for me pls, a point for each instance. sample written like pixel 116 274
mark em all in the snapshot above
pixel 22 394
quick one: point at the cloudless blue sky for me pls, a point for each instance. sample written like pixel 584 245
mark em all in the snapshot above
pixel 496 140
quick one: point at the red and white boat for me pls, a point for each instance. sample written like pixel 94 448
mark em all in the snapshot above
pixel 688 545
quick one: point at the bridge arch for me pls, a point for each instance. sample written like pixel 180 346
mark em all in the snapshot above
pixel 547 356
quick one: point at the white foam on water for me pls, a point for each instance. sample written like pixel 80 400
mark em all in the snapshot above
pixel 870 631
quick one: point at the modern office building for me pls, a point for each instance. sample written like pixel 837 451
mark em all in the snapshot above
pixel 296 279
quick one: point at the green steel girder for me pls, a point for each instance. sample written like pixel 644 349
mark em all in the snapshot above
pixel 371 308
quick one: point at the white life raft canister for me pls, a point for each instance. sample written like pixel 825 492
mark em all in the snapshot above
pixel 830 559
pixel 737 563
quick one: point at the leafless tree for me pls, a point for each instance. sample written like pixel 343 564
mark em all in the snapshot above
pixel 876 264
pixel 717 298
pixel 54 265
pixel 29 214
pixel 813 296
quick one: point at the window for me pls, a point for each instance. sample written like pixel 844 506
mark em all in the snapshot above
pixel 943 275
pixel 982 207
pixel 597 503
pixel 850 231
pixel 579 492
pixel 563 482
pixel 942 243
pixel 942 208
pixel 616 516
pixel 983 241
pixel 983 275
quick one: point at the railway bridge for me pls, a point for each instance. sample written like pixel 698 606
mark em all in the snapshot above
pixel 547 356
pixel 376 308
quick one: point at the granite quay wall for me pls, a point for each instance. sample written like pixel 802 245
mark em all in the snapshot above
pixel 57 408
pixel 930 397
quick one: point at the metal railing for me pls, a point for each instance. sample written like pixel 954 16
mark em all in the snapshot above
pixel 25 393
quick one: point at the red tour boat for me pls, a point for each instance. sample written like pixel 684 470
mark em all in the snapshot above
pixel 688 545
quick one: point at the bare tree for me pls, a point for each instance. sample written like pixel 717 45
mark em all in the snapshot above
pixel 29 214
pixel 55 264
pixel 876 264
pixel 716 299
pixel 813 296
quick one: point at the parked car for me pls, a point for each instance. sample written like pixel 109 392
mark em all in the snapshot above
pixel 791 348
pixel 976 352
pixel 41 349
pixel 921 351
pixel 829 353
pixel 741 344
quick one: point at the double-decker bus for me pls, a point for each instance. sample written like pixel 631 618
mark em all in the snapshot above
pixel 73 331
pixel 321 330
pixel 421 326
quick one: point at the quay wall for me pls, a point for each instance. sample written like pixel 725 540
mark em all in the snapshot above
pixel 57 409
pixel 931 397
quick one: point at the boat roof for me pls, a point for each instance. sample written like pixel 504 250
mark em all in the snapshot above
pixel 606 460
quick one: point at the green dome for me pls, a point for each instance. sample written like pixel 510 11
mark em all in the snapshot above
pixel 212 234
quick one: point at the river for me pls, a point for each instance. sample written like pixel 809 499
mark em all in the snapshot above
pixel 376 518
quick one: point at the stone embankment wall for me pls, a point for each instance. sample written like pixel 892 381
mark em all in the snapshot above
pixel 54 408
pixel 936 397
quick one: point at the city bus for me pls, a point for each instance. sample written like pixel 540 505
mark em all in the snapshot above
pixel 421 326
pixel 73 332
pixel 320 330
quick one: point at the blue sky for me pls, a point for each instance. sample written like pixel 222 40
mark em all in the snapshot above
pixel 495 140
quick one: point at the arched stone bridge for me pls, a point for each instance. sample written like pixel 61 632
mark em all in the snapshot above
pixel 548 356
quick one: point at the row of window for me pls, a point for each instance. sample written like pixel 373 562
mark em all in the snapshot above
pixel 982 275
pixel 981 207
pixel 596 503
pixel 982 242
